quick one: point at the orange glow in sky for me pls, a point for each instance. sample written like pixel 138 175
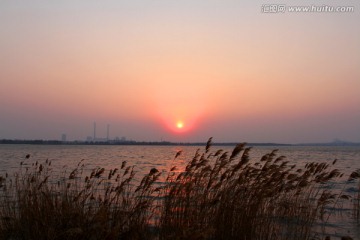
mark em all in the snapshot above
pixel 181 126
pixel 178 71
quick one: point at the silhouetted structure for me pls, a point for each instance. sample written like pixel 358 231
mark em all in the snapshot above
pixel 63 137
pixel 108 132
pixel 94 131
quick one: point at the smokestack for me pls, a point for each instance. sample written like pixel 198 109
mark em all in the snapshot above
pixel 94 131
pixel 108 132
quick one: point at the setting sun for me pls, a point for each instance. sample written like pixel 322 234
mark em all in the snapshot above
pixel 179 125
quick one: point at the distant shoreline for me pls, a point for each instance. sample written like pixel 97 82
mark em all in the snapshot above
pixel 164 143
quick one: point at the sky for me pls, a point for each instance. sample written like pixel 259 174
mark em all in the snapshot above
pixel 179 70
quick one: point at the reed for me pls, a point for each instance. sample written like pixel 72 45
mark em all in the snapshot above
pixel 229 196
pixel 218 195
pixel 356 199
pixel 39 204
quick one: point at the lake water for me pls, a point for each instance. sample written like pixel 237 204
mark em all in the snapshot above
pixel 66 157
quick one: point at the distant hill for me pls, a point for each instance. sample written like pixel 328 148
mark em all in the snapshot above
pixel 336 142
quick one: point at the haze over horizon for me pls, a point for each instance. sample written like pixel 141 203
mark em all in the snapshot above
pixel 179 71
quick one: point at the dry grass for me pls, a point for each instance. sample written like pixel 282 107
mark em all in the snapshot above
pixel 356 199
pixel 102 205
pixel 219 195
pixel 226 196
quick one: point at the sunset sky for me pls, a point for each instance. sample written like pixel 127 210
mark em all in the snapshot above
pixel 179 70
